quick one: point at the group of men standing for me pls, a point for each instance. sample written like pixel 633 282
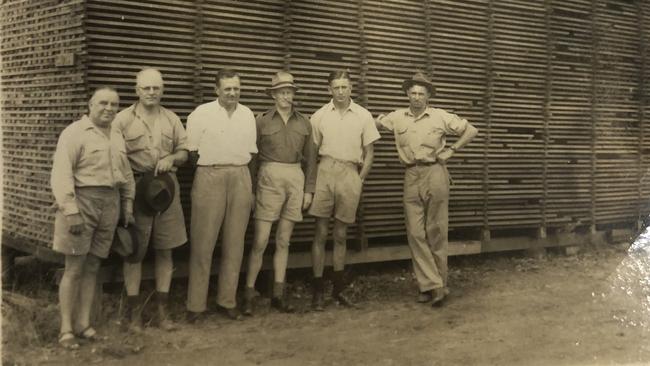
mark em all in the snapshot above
pixel 277 165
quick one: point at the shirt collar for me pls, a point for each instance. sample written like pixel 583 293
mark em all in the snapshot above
pixel 353 107
pixel 427 112
pixel 86 123
pixel 221 108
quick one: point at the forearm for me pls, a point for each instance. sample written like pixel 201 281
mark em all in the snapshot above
pixel 368 156
pixel 466 137
pixel 179 157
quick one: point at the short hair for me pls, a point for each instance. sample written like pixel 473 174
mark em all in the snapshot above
pixel 102 88
pixel 338 74
pixel 146 70
pixel 225 74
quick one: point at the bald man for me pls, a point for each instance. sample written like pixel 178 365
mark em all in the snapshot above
pixel 155 142
pixel 90 178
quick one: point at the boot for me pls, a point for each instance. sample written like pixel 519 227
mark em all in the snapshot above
pixel 339 286
pixel 247 305
pixel 133 318
pixel 279 301
pixel 164 322
pixel 319 289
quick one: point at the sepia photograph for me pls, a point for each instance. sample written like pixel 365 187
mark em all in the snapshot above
pixel 325 182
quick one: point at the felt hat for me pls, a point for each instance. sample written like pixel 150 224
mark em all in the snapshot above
pixel 419 78
pixel 126 244
pixel 154 193
pixel 281 79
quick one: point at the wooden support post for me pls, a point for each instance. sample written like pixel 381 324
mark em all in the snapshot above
pixel 361 239
pixel 550 46
pixel 487 115
pixel 286 35
pixel 595 64
pixel 641 111
pixel 198 58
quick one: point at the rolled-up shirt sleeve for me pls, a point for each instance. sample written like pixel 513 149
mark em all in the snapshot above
pixel 194 131
pixel 62 176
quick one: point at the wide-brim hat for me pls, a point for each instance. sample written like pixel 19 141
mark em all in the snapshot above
pixel 419 79
pixel 127 245
pixel 281 79
pixel 154 193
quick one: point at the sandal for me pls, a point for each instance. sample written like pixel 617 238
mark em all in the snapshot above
pixel 68 341
pixel 88 334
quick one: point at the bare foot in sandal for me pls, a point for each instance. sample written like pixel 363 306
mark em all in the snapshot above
pixel 88 334
pixel 68 341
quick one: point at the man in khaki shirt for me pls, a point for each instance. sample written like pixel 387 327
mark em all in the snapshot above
pixel 420 133
pixel 90 177
pixel 285 185
pixel 156 143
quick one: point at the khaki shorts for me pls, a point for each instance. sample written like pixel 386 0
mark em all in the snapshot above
pixel 100 209
pixel 165 230
pixel 338 190
pixel 280 191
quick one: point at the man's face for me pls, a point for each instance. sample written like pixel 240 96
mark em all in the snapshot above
pixel 340 89
pixel 228 91
pixel 283 97
pixel 149 89
pixel 102 107
pixel 418 96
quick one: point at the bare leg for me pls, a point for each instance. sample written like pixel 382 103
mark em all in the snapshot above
pixel 281 256
pixel 69 289
pixel 256 256
pixel 87 291
pixel 164 268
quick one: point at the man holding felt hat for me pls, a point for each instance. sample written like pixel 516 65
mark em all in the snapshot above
pixel 420 136
pixel 285 175
pixel 156 143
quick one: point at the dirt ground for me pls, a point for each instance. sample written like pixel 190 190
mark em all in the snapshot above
pixel 504 309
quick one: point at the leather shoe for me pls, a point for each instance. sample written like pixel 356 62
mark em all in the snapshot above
pixel 282 305
pixel 192 317
pixel 247 307
pixel 343 300
pixel 425 296
pixel 439 299
pixel 232 314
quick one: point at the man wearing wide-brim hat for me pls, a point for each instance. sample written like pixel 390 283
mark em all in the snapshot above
pixel 156 144
pixel 284 175
pixel 420 136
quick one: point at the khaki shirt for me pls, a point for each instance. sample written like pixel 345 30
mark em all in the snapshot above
pixel 343 137
pixel 86 157
pixel 287 143
pixel 146 144
pixel 421 138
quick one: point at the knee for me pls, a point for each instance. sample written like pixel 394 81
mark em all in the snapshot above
pixel 92 265
pixel 163 255
pixel 282 245
pixel 340 233
pixel 258 248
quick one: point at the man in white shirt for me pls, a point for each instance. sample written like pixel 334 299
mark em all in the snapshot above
pixel 221 138
pixel 344 133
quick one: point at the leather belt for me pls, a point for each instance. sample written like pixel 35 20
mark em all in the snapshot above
pixel 421 163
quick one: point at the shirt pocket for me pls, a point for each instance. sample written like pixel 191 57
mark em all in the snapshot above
pixel 95 157
pixel 135 139
pixel 401 135
pixel 270 138
pixel 167 141
pixel 433 139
